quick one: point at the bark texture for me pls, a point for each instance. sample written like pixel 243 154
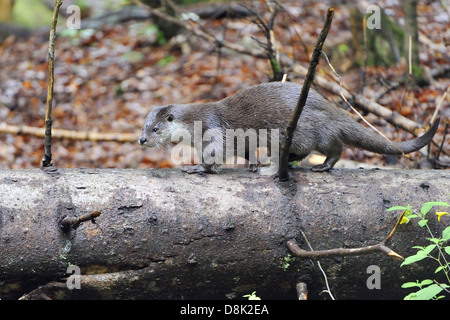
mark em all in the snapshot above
pixel 163 234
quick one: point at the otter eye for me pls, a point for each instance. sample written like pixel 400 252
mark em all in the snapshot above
pixel 155 129
pixel 170 117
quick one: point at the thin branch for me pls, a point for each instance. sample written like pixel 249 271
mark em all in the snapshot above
pixel 441 147
pixel 380 247
pixel 439 105
pixel 68 223
pixel 442 287
pixel 267 30
pixel 69 134
pixel 364 75
pixel 284 157
pixel 204 35
pixel 47 159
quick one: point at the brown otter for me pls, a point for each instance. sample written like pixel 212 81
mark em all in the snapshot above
pixel 321 127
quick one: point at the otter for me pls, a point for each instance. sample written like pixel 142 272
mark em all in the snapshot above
pixel 322 127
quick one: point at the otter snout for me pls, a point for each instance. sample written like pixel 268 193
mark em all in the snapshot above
pixel 142 140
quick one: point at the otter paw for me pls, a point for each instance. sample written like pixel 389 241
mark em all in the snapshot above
pixel 322 167
pixel 196 169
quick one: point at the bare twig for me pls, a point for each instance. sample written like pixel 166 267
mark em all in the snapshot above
pixel 284 157
pixel 380 247
pixel 196 30
pixel 47 159
pixel 69 134
pixel 267 30
pixel 364 75
pixel 73 222
pixel 439 105
pixel 441 147
pixel 442 287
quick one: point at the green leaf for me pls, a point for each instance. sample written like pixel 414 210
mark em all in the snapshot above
pixel 412 259
pixel 398 208
pixel 427 249
pixel 425 208
pixel 423 222
pixel 446 234
pixel 420 255
pixel 410 285
pixel 447 250
pixel 439 269
pixel 426 282
pixel 435 240
pixel 426 293
pixel 428 205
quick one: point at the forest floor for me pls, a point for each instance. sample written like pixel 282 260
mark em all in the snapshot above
pixel 107 80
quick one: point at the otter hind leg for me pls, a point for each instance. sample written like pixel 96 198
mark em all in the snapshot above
pixel 326 166
pixel 333 153
pixel 200 168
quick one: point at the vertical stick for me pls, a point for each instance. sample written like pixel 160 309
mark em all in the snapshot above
pixel 365 55
pixel 47 159
pixel 410 55
pixel 284 157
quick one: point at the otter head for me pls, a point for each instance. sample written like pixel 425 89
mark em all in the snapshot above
pixel 159 126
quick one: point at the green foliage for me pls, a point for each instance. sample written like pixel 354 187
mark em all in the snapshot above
pixel 438 250
pixel 31 13
pixel 252 296
pixel 166 60
pixel 286 262
pixel 343 48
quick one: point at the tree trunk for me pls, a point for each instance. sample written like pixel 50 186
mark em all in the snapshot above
pixel 411 41
pixel 6 9
pixel 163 234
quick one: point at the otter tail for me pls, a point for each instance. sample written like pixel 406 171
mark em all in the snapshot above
pixel 360 137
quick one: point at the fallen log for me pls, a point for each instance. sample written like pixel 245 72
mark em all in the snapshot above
pixel 162 234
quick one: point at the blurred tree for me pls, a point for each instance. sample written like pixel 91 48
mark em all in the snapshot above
pixel 6 7
pixel 383 44
pixel 411 42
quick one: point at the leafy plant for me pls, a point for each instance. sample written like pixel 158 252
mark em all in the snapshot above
pixel 252 296
pixel 286 261
pixel 438 250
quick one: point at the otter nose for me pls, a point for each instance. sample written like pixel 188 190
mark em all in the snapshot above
pixel 142 140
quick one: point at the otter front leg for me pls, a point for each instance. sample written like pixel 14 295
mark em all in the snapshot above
pixel 200 168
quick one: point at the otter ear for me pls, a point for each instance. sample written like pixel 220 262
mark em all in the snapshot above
pixel 170 117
